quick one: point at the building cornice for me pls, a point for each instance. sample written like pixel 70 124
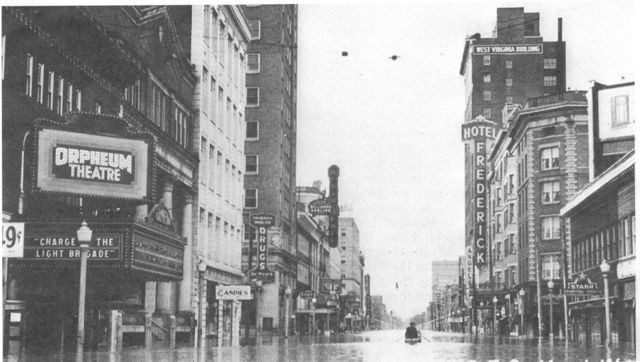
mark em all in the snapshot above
pixel 617 170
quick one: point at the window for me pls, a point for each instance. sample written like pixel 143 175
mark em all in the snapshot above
pixel 486 113
pixel 253 96
pixel 550 192
pixel 511 184
pixel 68 104
pixel 254 29
pixel 509 82
pixel 486 60
pixel 511 214
pixel 486 95
pixel 549 158
pixel 60 96
pixel 509 100
pixel 28 90
pixel 550 81
pixel 40 84
pixel 78 101
pixel 619 110
pixel 205 96
pixel 512 244
pixel 499 279
pixel 498 251
pixel 51 79
pixel 252 130
pixel 251 198
pixel 487 78
pixel 253 62
pixel 550 227
pixel 97 108
pixel 550 267
pixel 251 164
pixel 508 64
pixel 550 63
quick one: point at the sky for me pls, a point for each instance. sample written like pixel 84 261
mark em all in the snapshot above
pixel 393 127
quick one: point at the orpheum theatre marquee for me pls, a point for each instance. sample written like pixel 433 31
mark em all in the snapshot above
pixel 100 157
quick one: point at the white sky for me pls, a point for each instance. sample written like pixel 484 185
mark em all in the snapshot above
pixel 393 127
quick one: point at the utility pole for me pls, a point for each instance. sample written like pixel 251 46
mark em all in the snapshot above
pixel 538 285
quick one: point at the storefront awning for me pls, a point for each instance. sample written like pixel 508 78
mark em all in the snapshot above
pixel 315 311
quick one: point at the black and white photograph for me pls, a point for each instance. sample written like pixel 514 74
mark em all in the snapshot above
pixel 319 181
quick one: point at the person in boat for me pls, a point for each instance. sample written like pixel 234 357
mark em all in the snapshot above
pixel 411 332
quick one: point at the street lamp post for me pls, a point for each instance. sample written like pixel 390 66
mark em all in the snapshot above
pixel 202 267
pixel 495 317
pixel 287 297
pixel 521 293
pixel 83 234
pixel 313 315
pixel 507 298
pixel 550 284
pixel 604 268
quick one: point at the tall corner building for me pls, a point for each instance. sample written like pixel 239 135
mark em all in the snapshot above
pixel 219 39
pixel 270 151
pixel 509 67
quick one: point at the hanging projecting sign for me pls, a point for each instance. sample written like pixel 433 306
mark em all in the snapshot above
pixel 262 222
pixel 87 164
pixel 582 285
pixel 507 49
pixel 233 292
pixel 479 131
pixel 320 207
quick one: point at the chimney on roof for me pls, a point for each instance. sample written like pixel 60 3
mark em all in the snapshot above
pixel 559 29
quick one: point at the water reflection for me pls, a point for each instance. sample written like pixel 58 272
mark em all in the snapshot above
pixel 370 346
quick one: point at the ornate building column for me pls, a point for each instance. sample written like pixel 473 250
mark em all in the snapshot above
pixel 184 298
pixel 163 289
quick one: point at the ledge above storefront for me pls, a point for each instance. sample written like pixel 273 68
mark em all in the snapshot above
pixel 138 246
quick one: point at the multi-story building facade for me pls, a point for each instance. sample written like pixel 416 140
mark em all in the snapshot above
pixel 501 221
pixel 509 67
pixel 270 148
pixel 444 292
pixel 601 223
pixel 548 142
pixel 352 265
pixel 95 82
pixel 219 38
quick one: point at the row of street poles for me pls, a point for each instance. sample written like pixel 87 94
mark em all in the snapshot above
pixel 604 268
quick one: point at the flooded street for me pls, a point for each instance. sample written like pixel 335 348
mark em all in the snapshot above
pixel 367 346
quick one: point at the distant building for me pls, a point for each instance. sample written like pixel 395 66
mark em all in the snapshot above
pixel 601 221
pixel 352 265
pixel 444 273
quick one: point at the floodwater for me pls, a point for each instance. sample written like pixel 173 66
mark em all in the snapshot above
pixel 368 346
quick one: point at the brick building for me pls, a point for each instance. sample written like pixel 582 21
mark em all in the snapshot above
pixel 548 142
pixel 601 223
pixel 509 67
pixel 270 149
pixel 99 81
